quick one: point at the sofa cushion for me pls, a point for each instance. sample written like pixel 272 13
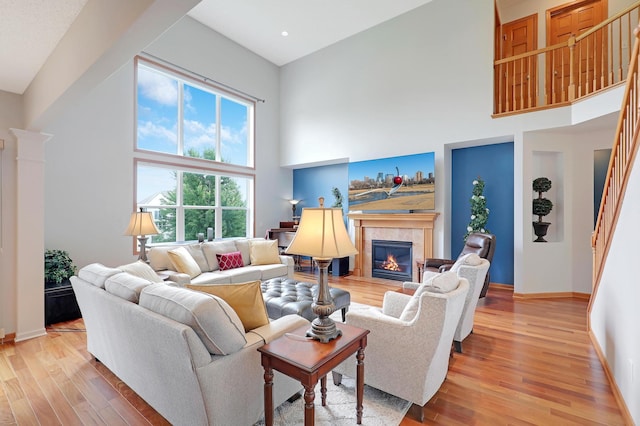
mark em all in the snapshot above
pixel 211 248
pixel 97 273
pixel 126 286
pixel 439 283
pixel 213 320
pixel 245 298
pixel 183 262
pixel 242 246
pixel 159 258
pixel 142 270
pixel 469 259
pixel 264 252
pixel 229 260
pixel 195 250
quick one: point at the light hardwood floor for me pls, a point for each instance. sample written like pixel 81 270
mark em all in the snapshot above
pixel 528 362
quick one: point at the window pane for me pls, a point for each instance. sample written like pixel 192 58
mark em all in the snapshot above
pixel 196 221
pixel 157 111
pixel 156 186
pixel 165 219
pixel 199 124
pixel 234 135
pixel 198 189
pixel 234 223
pixel 233 191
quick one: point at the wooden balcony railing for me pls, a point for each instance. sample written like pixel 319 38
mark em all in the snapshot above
pixel 583 65
pixel 623 154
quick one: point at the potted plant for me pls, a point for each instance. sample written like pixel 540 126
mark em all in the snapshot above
pixel 479 210
pixel 541 208
pixel 58 268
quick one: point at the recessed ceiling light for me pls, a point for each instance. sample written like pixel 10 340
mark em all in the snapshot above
pixel 284 33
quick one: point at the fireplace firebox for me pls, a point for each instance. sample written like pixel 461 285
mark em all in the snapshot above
pixel 391 260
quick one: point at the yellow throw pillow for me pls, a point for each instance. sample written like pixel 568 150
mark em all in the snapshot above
pixel 264 252
pixel 184 262
pixel 245 298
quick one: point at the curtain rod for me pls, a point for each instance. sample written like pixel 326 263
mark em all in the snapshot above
pixel 204 78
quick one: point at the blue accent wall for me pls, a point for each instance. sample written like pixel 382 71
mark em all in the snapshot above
pixel 494 164
pixel 314 182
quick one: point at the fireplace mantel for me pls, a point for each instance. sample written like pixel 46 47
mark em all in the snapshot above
pixel 414 227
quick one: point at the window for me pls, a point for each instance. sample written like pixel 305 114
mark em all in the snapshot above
pixel 191 138
pixel 178 116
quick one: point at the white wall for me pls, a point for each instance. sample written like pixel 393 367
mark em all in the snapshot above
pixel 615 315
pixel 412 85
pixel 89 162
pixel 10 117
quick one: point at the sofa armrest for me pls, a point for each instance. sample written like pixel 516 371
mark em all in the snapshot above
pixel 279 327
pixel 394 303
pixel 290 262
pixel 179 278
pixel 437 263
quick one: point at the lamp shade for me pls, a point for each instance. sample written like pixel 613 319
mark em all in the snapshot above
pixel 322 235
pixel 141 223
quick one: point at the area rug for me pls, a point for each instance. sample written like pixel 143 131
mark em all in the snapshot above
pixel 379 408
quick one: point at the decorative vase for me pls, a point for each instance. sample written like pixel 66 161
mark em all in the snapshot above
pixel 540 229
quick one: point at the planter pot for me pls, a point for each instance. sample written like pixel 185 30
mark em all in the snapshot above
pixel 540 229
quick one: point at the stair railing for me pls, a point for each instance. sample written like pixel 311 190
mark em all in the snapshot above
pixel 623 154
pixel 583 65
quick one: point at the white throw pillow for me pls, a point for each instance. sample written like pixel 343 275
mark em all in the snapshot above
pixel 195 250
pixel 439 283
pixel 142 270
pixel 210 249
pixel 159 258
pixel 469 259
pixel 213 320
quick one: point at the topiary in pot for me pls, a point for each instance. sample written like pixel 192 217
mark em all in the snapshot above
pixel 58 267
pixel 541 208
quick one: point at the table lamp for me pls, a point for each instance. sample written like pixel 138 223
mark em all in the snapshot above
pixel 322 236
pixel 141 224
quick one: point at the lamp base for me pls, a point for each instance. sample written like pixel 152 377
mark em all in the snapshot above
pixel 142 256
pixel 323 328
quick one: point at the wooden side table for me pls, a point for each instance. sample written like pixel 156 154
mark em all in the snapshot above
pixel 308 361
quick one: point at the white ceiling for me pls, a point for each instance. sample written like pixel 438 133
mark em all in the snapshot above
pixel 311 24
pixel 30 29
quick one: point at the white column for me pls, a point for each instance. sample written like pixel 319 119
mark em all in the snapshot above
pixel 29 234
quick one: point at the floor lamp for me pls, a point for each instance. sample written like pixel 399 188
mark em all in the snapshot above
pixel 322 236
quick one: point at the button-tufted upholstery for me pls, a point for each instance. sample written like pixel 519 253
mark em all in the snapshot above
pixel 284 296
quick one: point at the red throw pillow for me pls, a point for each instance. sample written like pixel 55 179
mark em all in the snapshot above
pixel 229 260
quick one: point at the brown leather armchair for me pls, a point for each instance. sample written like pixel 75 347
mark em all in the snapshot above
pixel 484 245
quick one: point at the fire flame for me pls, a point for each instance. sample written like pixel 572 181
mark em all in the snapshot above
pixel 391 264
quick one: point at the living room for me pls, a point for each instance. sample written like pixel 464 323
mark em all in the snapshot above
pixel 403 87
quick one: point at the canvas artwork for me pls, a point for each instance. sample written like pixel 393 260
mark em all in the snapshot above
pixel 394 183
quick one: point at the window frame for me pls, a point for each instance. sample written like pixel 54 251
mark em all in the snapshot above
pixel 180 162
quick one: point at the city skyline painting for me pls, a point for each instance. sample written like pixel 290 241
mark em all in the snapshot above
pixel 393 183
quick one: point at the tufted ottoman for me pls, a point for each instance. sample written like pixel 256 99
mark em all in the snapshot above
pixel 284 296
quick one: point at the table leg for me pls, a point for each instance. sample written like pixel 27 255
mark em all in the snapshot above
pixel 359 384
pixel 268 396
pixel 323 390
pixel 309 409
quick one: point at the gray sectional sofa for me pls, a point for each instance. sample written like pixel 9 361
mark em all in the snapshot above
pixel 186 353
pixel 260 261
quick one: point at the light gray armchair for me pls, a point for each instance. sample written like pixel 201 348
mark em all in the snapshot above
pixel 475 274
pixel 410 339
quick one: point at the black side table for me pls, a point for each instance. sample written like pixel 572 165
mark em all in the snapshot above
pixel 60 303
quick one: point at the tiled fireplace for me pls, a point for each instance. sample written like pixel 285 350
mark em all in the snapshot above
pixel 416 228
